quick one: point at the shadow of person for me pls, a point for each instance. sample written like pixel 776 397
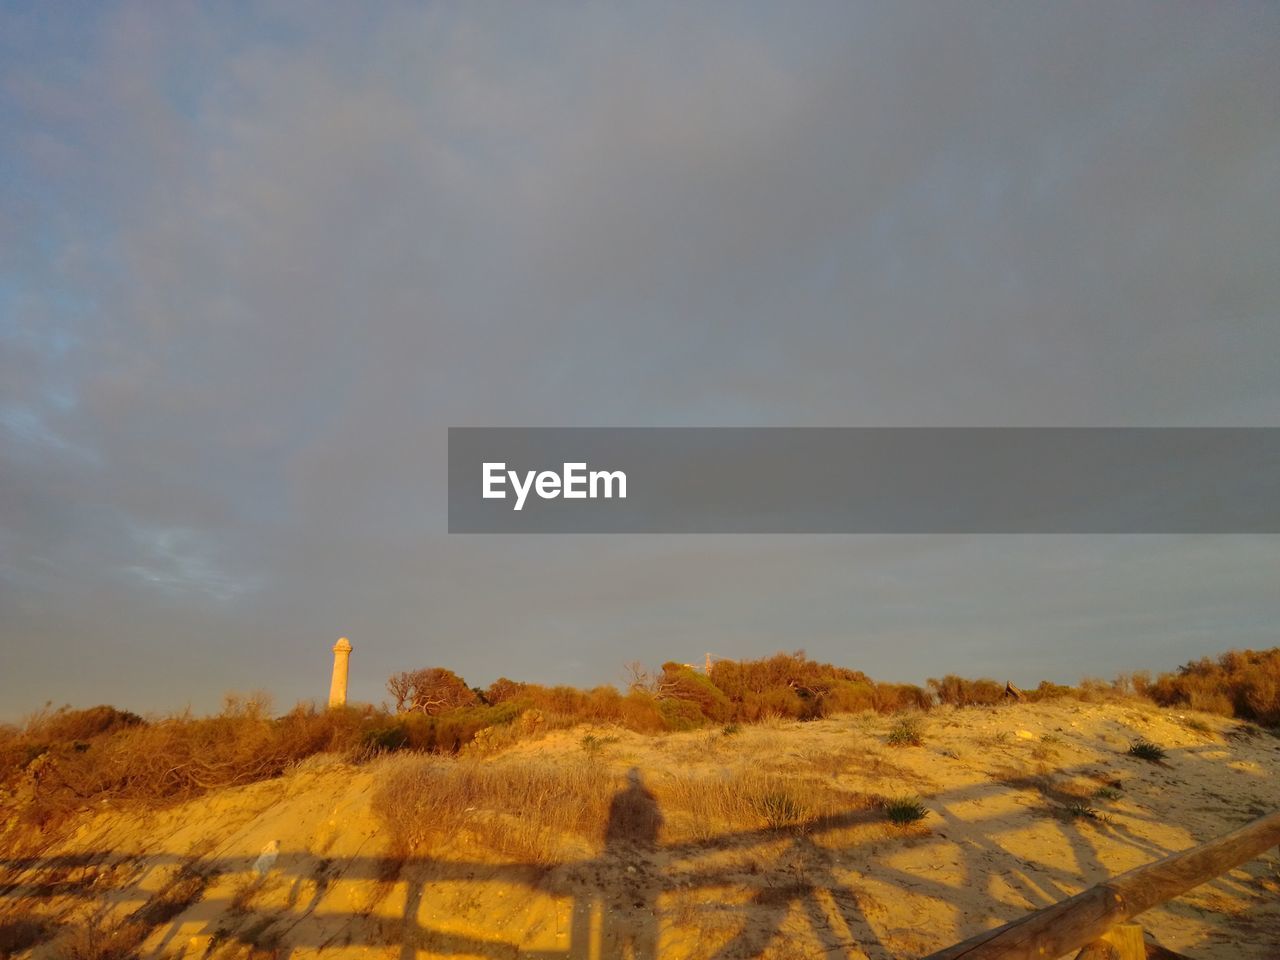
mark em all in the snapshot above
pixel 629 881
pixel 634 819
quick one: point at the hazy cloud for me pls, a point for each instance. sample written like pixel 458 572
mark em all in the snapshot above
pixel 254 261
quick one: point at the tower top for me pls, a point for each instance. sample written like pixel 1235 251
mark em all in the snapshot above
pixel 342 644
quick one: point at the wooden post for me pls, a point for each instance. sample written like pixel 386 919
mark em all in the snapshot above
pixel 1074 923
pixel 1124 942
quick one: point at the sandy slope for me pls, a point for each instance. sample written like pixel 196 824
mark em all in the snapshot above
pixel 995 844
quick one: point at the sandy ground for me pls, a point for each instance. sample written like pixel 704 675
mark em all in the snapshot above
pixel 996 843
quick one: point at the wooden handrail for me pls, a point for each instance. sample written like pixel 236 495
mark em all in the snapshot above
pixel 1078 921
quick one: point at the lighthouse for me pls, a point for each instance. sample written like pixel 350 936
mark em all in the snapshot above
pixel 338 687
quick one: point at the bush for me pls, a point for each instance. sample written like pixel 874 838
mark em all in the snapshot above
pixel 1241 683
pixel 850 696
pixel 69 724
pixel 502 690
pixel 1146 750
pixel 780 808
pixel 680 714
pixel 680 682
pixel 639 711
pixel 959 692
pixel 892 697
pixel 1050 691
pixel 906 810
pixel 174 758
pixel 907 732
pixel 1080 809
pixel 431 691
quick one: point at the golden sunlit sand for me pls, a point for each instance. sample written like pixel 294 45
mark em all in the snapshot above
pixel 766 840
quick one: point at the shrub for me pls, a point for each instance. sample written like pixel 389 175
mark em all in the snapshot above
pixel 779 808
pixel 1241 683
pixel 1080 809
pixel 1146 750
pixel 639 711
pixel 502 690
pixel 69 724
pixel 683 683
pixel 431 691
pixel 177 757
pixel 905 810
pixel 456 728
pixel 680 714
pixel 850 696
pixel 791 685
pixel 1050 691
pixel 959 692
pixel 907 732
pixel 892 697
pixel 385 739
pixel 593 745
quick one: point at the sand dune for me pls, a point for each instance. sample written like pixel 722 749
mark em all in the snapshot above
pixel 1027 804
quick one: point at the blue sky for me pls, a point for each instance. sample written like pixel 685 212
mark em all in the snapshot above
pixel 255 259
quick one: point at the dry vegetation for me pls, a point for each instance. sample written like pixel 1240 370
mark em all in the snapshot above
pixel 61 761
pixel 781 837
pixel 1240 683
pixel 526 810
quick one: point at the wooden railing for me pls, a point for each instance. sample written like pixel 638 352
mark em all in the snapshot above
pixel 1095 921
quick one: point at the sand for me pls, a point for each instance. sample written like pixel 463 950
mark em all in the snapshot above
pixel 300 866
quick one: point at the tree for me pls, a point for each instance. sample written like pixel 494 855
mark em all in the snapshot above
pixel 432 690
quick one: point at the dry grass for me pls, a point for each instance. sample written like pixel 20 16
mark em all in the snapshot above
pixel 525 809
pixel 544 811
pixel 103 937
pixel 61 762
pixel 906 732
pixel 702 806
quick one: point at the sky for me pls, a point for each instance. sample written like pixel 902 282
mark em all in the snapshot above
pixel 255 259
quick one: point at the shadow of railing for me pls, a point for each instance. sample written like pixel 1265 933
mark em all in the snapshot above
pixel 606 905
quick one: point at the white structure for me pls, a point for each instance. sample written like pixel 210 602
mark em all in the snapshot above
pixel 338 687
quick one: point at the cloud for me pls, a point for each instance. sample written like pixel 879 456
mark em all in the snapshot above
pixel 257 262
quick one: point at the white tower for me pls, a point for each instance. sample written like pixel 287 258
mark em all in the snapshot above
pixel 338 688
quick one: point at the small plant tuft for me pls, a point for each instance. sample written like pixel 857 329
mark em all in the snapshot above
pixel 907 732
pixel 593 745
pixel 779 809
pixel 906 810
pixel 1083 810
pixel 1144 749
